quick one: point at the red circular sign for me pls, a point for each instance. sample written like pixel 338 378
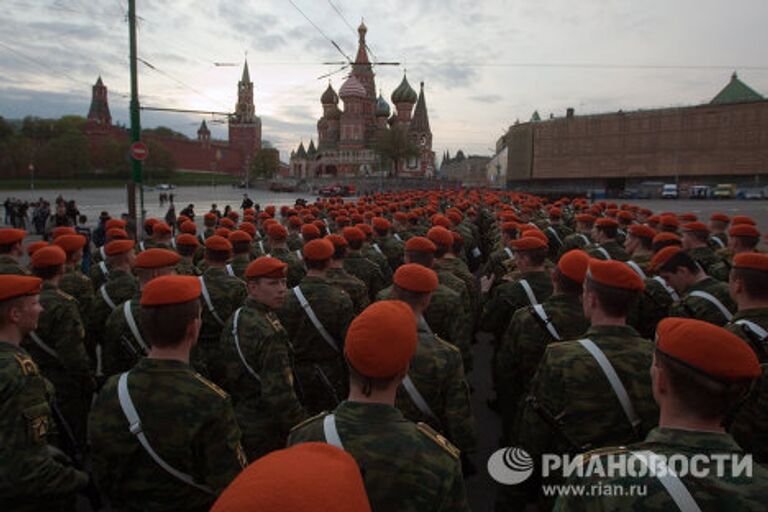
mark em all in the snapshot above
pixel 139 151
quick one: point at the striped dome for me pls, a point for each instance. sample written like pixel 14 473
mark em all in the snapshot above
pixel 352 88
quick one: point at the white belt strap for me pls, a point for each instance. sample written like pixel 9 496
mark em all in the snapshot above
pixel 43 345
pixel 418 399
pixel 758 331
pixel 712 300
pixel 637 269
pixel 105 295
pixel 397 237
pixel 528 291
pixel 718 241
pixel 602 251
pixel 236 338
pixel 136 428
pixel 613 379
pixel 299 255
pixel 554 233
pixel 671 291
pixel 133 327
pixel 304 303
pixel 261 246
pixel 669 480
pixel 377 248
pixel 208 303
pixel 173 243
pixel 103 253
pixel 230 270
pixel 509 253
pixel 103 268
pixel 587 241
pixel 141 246
pixel 330 431
pixel 539 310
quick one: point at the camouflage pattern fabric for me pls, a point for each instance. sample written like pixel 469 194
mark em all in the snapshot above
pixel 612 247
pixel 294 241
pixel 379 259
pixel 120 287
pixel 120 350
pixel 757 316
pixel 97 276
pixel 239 263
pixel 650 308
pixel 575 241
pixel 187 268
pixel 458 268
pixel 702 309
pixel 8 265
pixel 296 270
pixel 508 297
pixel 707 258
pixel 365 270
pixel 354 287
pixel 79 286
pixel 393 250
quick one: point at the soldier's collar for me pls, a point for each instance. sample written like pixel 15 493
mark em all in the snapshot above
pixel 707 441
pixel 366 412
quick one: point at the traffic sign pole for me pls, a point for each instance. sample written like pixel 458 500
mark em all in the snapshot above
pixel 135 118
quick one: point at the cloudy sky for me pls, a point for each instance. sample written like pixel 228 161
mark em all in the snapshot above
pixel 485 63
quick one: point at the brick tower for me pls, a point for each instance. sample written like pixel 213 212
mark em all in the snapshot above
pixel 244 124
pixel 99 112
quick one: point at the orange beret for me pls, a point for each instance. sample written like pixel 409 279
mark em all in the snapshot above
pixel 669 220
pixel 233 215
pixel 168 290
pixel 150 222
pixel 532 232
pixel 420 244
pixel 605 222
pixel 161 228
pixel 209 216
pixel 555 213
pixel 440 236
pixel 708 348
pixel 666 237
pixel 51 256
pixel 509 226
pixel 116 234
pixel 354 234
pixel 188 227
pixel 266 266
pixel 187 239
pixel 115 223
pixel 337 240
pixel 642 231
pixel 218 243
pixel 401 217
pixel 365 228
pixel 294 221
pixel 441 220
pixel 35 246
pixel 305 477
pixel 116 247
pixel 157 258
pixel 181 219
pixel 222 232
pixel 416 278
pixel 381 224
pixel 318 250
pixel 10 236
pixel 12 286
pixel 574 265
pixel 70 243
pixel 382 339
pixel 61 231
pixel 625 215
pixel 615 274
pixel 226 222
pixel 696 227
pixel 585 218
pixel 745 230
pixel 249 228
pixel 742 219
pixel 240 236
pixel 277 232
pixel 751 260
pixel 310 231
pixel 663 256
pixel 527 243
pixel 720 217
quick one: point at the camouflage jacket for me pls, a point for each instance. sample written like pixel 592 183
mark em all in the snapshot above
pixel 758 316
pixel 710 492
pixel 316 363
pixel 188 421
pixel 723 241
pixel 423 476
pixel 79 286
pixel 120 349
pixel 508 297
pixel 393 249
pixel 573 388
pixel 8 265
pixel 495 265
pixel 265 404
pixel 120 287
pixel 187 268
pixel 354 287
pixel 296 270
pixel 365 270
pixel 98 275
pixel 699 308
pixel 30 477
pixel 650 308
pixel 556 234
pixel 612 247
pixel 523 345
pixel 575 241
pixel 379 259
pixel 707 258
pixel 437 374
pixel 294 241
pixel 239 263
pixel 458 268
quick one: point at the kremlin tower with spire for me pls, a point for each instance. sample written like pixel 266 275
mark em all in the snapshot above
pixel 345 136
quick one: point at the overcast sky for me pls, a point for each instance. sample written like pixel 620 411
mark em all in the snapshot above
pixel 485 63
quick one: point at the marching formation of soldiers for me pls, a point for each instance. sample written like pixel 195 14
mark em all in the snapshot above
pixel 316 356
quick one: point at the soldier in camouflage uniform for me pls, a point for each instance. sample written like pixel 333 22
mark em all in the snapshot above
pixel 582 238
pixel 639 247
pixel 606 246
pixel 446 260
pixel 556 232
pixel 162 237
pixel 99 271
pixel 124 343
pixel 31 477
pixel 278 249
pixel 694 394
pixel 702 297
pixel 696 244
pixel 187 246
pixel 74 282
pixel 495 267
pixel 294 240
pixel 718 226
pixel 741 238
pixel 337 276
pixel 11 251
pixel 57 345
pixel 317 338
pixel 390 247
pixel 372 251
pixel 359 266
pixel 257 362
pixel 425 475
pixel 187 420
pixel 559 317
pixel 241 253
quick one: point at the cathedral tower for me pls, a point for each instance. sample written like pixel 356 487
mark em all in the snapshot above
pixel 244 124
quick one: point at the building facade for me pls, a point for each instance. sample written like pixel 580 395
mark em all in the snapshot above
pixel 346 136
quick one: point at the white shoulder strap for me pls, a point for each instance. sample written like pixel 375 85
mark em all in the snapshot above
pixel 136 428
pixel 554 233
pixel 529 292
pixel 671 291
pixel 230 270
pixel 418 399
pixel 102 252
pixel 718 241
pixel 261 246
pixel 637 269
pixel 397 236
pixel 141 246
pixel 712 300
pixel 103 268
pixel 43 345
pixel 133 327
pixel 758 331
pixel 602 251
pixel 105 295
pixel 304 303
pixel 587 241
pixel 208 303
pixel 669 480
pixel 330 431
pixel 299 255
pixel 541 313
pixel 377 248
pixel 614 380
pixel 509 253
pixel 236 339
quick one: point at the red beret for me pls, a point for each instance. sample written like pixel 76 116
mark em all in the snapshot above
pixel 150 222
pixel 209 216
pixel 188 227
pixel 277 232
pixel 181 219
pixel 585 218
pixel 509 226
pixel 527 243
pixel 233 215
pixel 168 290
pixel 226 223
pixel 70 243
pixel 51 256
pixel 663 256
pixel 720 217
pixel 605 222
pixel 745 230
pixel 337 240
pixel 318 250
pixel 266 266
pixel 115 223
pixel 381 224
pixel 310 231
pixel 625 215
pixel 420 244
pixel 642 231
pixel 666 237
pixel 555 213
pixel 116 247
pixel 574 265
pixel 187 239
pixel 161 228
pixel 441 220
pixel 218 243
pixel 696 227
pixel 532 232
pixel 222 232
pixel 615 274
pixel 751 260
pixel 34 246
pixel 382 339
pixel 12 286
pixel 742 219
pixel 365 228
pixel 416 278
pixel 401 217
pixel 156 258
pixel 249 228
pixel 240 236
pixel 708 348
pixel 116 234
pixel 354 234
pixel 294 221
pixel 669 221
pixel 61 231
pixel 440 236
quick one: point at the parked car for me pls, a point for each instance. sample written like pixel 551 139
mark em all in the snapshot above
pixel 725 191
pixel 750 193
pixel 670 191
pixel 337 191
pixel 166 186
pixel 699 192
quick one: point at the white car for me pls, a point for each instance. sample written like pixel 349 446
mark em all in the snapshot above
pixel 670 191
